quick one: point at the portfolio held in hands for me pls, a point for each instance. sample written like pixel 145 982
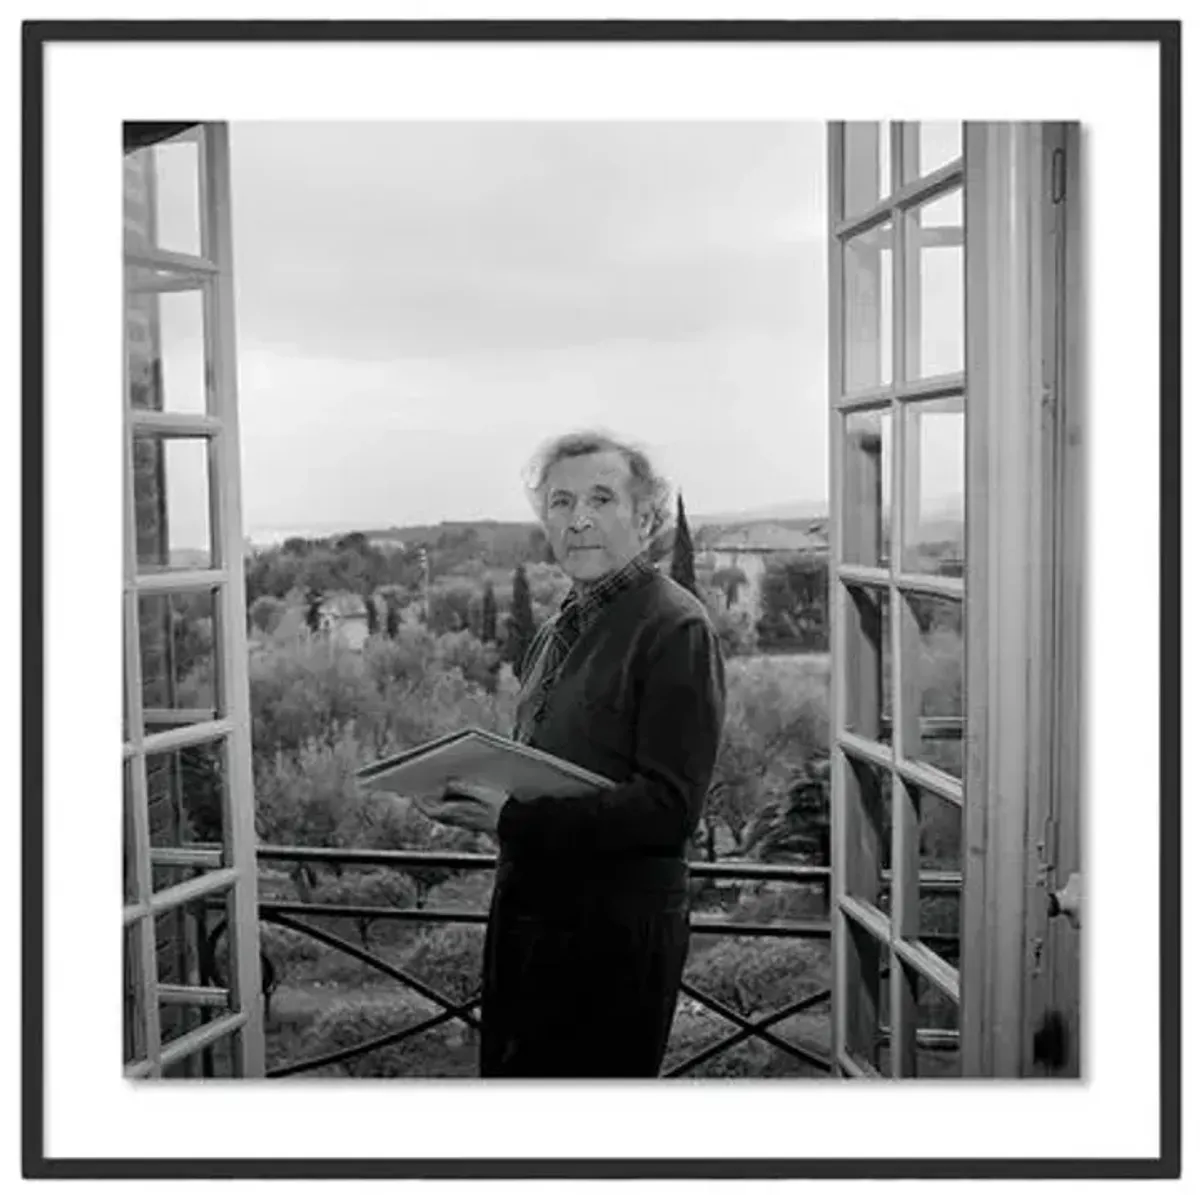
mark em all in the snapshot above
pixel 480 755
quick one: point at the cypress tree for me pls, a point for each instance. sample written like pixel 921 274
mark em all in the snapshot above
pixel 520 620
pixel 488 629
pixel 312 609
pixel 391 624
pixel 683 554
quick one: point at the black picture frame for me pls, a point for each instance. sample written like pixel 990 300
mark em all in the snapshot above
pixel 37 36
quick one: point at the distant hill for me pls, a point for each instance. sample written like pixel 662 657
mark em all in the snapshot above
pixel 504 543
pixel 788 514
pixel 950 531
pixel 428 533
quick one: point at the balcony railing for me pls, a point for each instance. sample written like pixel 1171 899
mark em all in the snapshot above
pixel 295 915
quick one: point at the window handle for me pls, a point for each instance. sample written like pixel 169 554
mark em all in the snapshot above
pixel 1067 901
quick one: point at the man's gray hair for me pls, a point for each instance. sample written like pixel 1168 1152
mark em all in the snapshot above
pixel 649 489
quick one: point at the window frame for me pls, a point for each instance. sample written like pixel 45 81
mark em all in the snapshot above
pixel 1024 491
pixel 864 938
pixel 228 869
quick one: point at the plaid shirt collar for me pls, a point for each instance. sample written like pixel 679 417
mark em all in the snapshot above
pixel 585 603
pixel 580 608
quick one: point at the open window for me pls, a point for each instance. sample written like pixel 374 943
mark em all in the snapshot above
pixel 955 597
pixel 956 606
pixel 192 1002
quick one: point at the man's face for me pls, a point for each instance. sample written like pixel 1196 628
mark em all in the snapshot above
pixel 590 516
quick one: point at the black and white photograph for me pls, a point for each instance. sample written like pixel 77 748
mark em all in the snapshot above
pixel 605 598
pixel 419 307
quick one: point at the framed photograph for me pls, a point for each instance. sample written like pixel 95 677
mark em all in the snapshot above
pixel 761 417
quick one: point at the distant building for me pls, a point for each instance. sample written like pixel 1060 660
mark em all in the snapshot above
pixel 344 619
pixel 748 550
pixel 387 543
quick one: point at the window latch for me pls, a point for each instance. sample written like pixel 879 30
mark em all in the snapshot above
pixel 1058 176
pixel 1066 901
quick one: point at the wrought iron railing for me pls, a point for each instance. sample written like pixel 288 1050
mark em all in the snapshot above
pixel 295 915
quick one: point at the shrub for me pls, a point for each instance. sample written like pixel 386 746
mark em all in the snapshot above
pixel 776 719
pixel 759 975
pixel 697 1027
pixel 444 1050
pixel 476 661
pixel 451 600
pixel 779 902
pixel 307 691
pixel 266 613
pixel 465 890
pixel 384 888
pixel 448 958
pixel 306 798
pixel 288 949
pixel 735 630
pixel 400 662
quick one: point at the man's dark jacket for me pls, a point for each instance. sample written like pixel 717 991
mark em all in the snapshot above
pixel 588 932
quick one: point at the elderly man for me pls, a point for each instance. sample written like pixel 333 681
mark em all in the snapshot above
pixel 588 931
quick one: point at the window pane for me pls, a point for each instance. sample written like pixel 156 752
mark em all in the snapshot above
pixel 869 814
pixel 868 309
pixel 941 924
pixel 129 854
pixel 941 862
pixel 133 1026
pixel 941 833
pixel 868 165
pixel 937 1054
pixel 127 714
pixel 939 852
pixel 867 488
pixel 177 186
pixel 939 142
pixel 162 196
pixel 165 343
pixel 183 940
pixel 142 352
pixel 937 313
pixel 171 500
pixel 179 659
pixel 939 684
pixel 186 794
pixel 139 201
pixel 866 993
pixel 935 489
pixel 868 662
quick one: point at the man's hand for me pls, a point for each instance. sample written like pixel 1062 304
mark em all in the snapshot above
pixel 473 805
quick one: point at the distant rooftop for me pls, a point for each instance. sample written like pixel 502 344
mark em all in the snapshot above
pixel 344 605
pixel 767 537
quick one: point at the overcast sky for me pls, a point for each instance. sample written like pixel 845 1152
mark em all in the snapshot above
pixel 420 305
